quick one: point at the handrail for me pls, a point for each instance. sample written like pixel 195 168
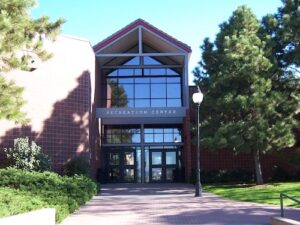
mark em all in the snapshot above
pixel 281 202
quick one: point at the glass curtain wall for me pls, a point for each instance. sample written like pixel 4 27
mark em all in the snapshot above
pixel 142 83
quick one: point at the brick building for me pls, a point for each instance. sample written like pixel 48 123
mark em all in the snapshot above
pixel 123 104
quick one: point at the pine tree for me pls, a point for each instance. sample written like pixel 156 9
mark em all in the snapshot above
pixel 20 38
pixel 241 110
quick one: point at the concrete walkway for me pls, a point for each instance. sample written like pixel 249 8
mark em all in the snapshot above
pixel 132 204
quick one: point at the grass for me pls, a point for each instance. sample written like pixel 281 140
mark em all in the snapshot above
pixel 267 193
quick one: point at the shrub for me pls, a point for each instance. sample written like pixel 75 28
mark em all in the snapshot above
pixel 295 160
pixel 77 166
pixel 13 202
pixel 224 176
pixel 63 193
pixel 280 174
pixel 27 156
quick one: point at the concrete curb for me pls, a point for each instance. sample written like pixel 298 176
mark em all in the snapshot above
pixel 42 216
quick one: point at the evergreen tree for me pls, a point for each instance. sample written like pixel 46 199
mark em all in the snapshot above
pixel 281 33
pixel 21 37
pixel 284 33
pixel 241 110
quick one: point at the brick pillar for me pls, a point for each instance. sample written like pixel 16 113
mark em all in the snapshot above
pixel 187 146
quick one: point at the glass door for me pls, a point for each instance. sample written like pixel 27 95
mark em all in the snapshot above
pixel 113 166
pixel 163 165
pixel 129 166
pixel 121 165
pixel 171 165
pixel 156 166
pixel 136 165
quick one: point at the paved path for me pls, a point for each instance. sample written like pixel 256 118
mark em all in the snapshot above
pixel 133 204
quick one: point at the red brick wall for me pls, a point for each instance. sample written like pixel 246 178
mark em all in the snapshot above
pixel 187 146
pixel 59 95
pixel 94 126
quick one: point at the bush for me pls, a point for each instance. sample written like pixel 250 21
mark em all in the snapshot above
pixel 224 176
pixel 27 156
pixel 63 193
pixel 280 174
pixel 295 160
pixel 77 166
pixel 13 202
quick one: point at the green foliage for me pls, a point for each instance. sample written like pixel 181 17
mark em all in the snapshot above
pixel 118 95
pixel 11 101
pixel 77 166
pixel 295 160
pixel 48 189
pixel 283 34
pixel 224 176
pixel 280 174
pixel 14 202
pixel 21 38
pixel 20 32
pixel 27 156
pixel 242 108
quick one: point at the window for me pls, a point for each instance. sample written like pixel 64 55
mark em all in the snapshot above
pixel 142 87
pixel 150 61
pixel 158 91
pixel 142 91
pixel 162 135
pixel 121 135
pixel 133 62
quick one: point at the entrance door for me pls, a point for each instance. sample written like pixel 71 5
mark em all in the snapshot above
pixel 121 165
pixel 163 165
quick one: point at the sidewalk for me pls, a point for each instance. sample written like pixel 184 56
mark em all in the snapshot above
pixel 133 204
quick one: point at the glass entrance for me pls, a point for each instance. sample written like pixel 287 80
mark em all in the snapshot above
pixel 143 154
pixel 121 165
pixel 164 165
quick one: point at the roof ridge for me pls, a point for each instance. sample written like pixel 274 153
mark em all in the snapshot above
pixel 115 33
pixel 147 25
pixel 166 33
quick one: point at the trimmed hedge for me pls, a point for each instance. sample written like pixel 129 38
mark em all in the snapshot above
pixel 224 176
pixel 14 202
pixel 63 193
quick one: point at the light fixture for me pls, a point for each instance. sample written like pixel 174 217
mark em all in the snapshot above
pixel 197 98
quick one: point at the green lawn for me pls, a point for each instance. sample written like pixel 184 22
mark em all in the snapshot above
pixel 268 193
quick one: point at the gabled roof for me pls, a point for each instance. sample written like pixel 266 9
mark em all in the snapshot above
pixel 143 23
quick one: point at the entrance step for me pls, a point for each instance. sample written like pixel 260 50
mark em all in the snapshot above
pixel 283 221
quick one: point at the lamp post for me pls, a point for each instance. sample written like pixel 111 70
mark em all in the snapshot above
pixel 197 98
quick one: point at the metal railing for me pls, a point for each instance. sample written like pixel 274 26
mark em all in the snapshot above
pixel 281 202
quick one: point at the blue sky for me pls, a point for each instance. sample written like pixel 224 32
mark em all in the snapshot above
pixel 190 21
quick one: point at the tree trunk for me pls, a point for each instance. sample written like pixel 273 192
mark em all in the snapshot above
pixel 258 173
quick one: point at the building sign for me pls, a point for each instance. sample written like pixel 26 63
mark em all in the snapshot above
pixel 140 112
